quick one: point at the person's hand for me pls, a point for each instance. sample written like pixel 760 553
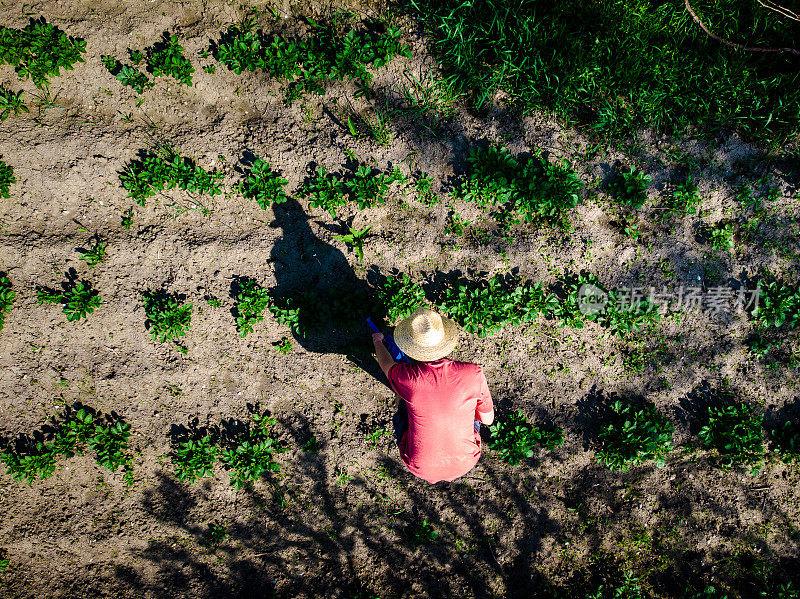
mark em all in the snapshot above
pixel 377 337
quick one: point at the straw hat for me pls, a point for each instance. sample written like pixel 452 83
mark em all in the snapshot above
pixel 426 336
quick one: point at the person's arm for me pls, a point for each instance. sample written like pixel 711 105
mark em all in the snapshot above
pixel 484 412
pixel 385 360
pixel 485 417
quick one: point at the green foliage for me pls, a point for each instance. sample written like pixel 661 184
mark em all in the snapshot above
pixel 628 589
pixel 486 306
pixel 7 296
pixel 355 239
pixel 778 305
pixel 6 179
pixel 367 187
pixel 734 431
pixel 251 300
pixel 11 102
pixel 634 434
pixel 514 438
pixel 127 75
pixel 38 461
pixel 39 50
pixel 167 317
pixel 309 63
pixel 77 298
pixel 287 312
pixel 537 189
pixel 424 187
pixel 327 191
pixel 264 185
pixel 164 169
pixel 422 533
pixel 110 443
pixel 195 459
pixel 251 455
pixel 400 297
pixel 629 187
pixel 632 317
pixel 786 441
pixel 721 236
pixel 684 198
pixel 127 218
pixel 284 345
pixel 166 58
pixel 96 254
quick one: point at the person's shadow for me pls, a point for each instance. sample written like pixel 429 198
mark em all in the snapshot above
pixel 321 299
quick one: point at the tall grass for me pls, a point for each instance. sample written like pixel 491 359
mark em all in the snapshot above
pixel 617 65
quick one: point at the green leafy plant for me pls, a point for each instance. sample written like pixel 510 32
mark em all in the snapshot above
pixel 6 179
pixel 127 218
pixel 624 318
pixel 167 316
pixel 251 299
pixel 368 187
pixel 629 187
pixel 684 198
pixel 126 74
pixel 634 434
pixel 778 304
pixel 421 533
pixel 721 236
pixel 400 297
pixel 216 533
pixel 457 225
pixel 284 345
pixel 7 296
pixel 96 253
pixel 355 239
pixel 11 102
pixel 39 50
pixel 77 298
pixel 786 441
pixel 110 443
pixel 326 191
pixel 424 187
pixel 514 438
pixel 734 431
pixel 287 312
pixel 166 58
pixel 195 459
pixel 251 455
pixel 164 169
pixel 37 461
pixel 264 185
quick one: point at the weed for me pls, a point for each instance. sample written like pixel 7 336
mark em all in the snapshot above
pixel 623 318
pixel 721 236
pixel 786 441
pixel 212 301
pixel 422 533
pixel 264 185
pixel 400 297
pixel 164 169
pixel 287 312
pixel 127 75
pixel 432 100
pixel 355 239
pixel 284 345
pixel 7 296
pixel 251 299
pixel 634 434
pixel 734 431
pixel 628 589
pixel 168 318
pixel 7 179
pixel 216 533
pixel 684 198
pixel 374 437
pixel 312 444
pixel 127 218
pixel 166 58
pixel 424 187
pixel 760 346
pixel 210 69
pixel 457 225
pixel 39 50
pixel 195 459
pixel 11 102
pixel 76 297
pixel 629 187
pixel 96 253
pixel 514 438
pixel 778 304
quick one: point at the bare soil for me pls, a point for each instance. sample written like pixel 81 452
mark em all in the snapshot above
pixel 335 522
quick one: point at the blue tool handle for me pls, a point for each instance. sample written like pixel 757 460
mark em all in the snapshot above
pixel 391 346
pixel 372 326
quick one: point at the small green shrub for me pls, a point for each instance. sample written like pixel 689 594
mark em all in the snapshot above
pixel 514 438
pixel 127 75
pixel 634 434
pixel 6 179
pixel 721 236
pixel 11 102
pixel 95 254
pixel 110 443
pixel 39 461
pixel 355 239
pixel 164 169
pixel 264 185
pixel 734 431
pixel 684 198
pixel 400 297
pixel 168 317
pixel 7 296
pixel 367 187
pixel 39 50
pixel 778 305
pixel 251 456
pixel 166 58
pixel 251 300
pixel 629 187
pixel 77 298
pixel 786 441
pixel 195 459
pixel 326 190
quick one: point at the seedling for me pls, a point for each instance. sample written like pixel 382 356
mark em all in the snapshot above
pixel 514 438
pixel 734 431
pixel 778 304
pixel 212 301
pixel 166 58
pixel 457 225
pixel 629 187
pixel 374 437
pixel 355 239
pixel 424 187
pixel 786 441
pixel 312 444
pixel 684 198
pixel 11 102
pixel 284 345
pixel 77 298
pixel 7 296
pixel 400 297
pixel 127 75
pixel 287 312
pixel 634 434
pixel 136 56
pixel 96 253
pixel 264 185
pixel 110 443
pixel 327 191
pixel 422 533
pixel 368 187
pixel 195 459
pixel 127 218
pixel 216 533
pixel 39 50
pixel 721 236
pixel 167 317
pixel 6 179
pixel 251 456
pixel 251 300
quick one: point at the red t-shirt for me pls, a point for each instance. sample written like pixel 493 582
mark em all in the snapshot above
pixel 442 399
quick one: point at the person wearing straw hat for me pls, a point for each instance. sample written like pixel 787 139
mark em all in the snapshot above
pixel 441 402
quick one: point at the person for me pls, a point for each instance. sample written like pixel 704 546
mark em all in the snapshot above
pixel 441 402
